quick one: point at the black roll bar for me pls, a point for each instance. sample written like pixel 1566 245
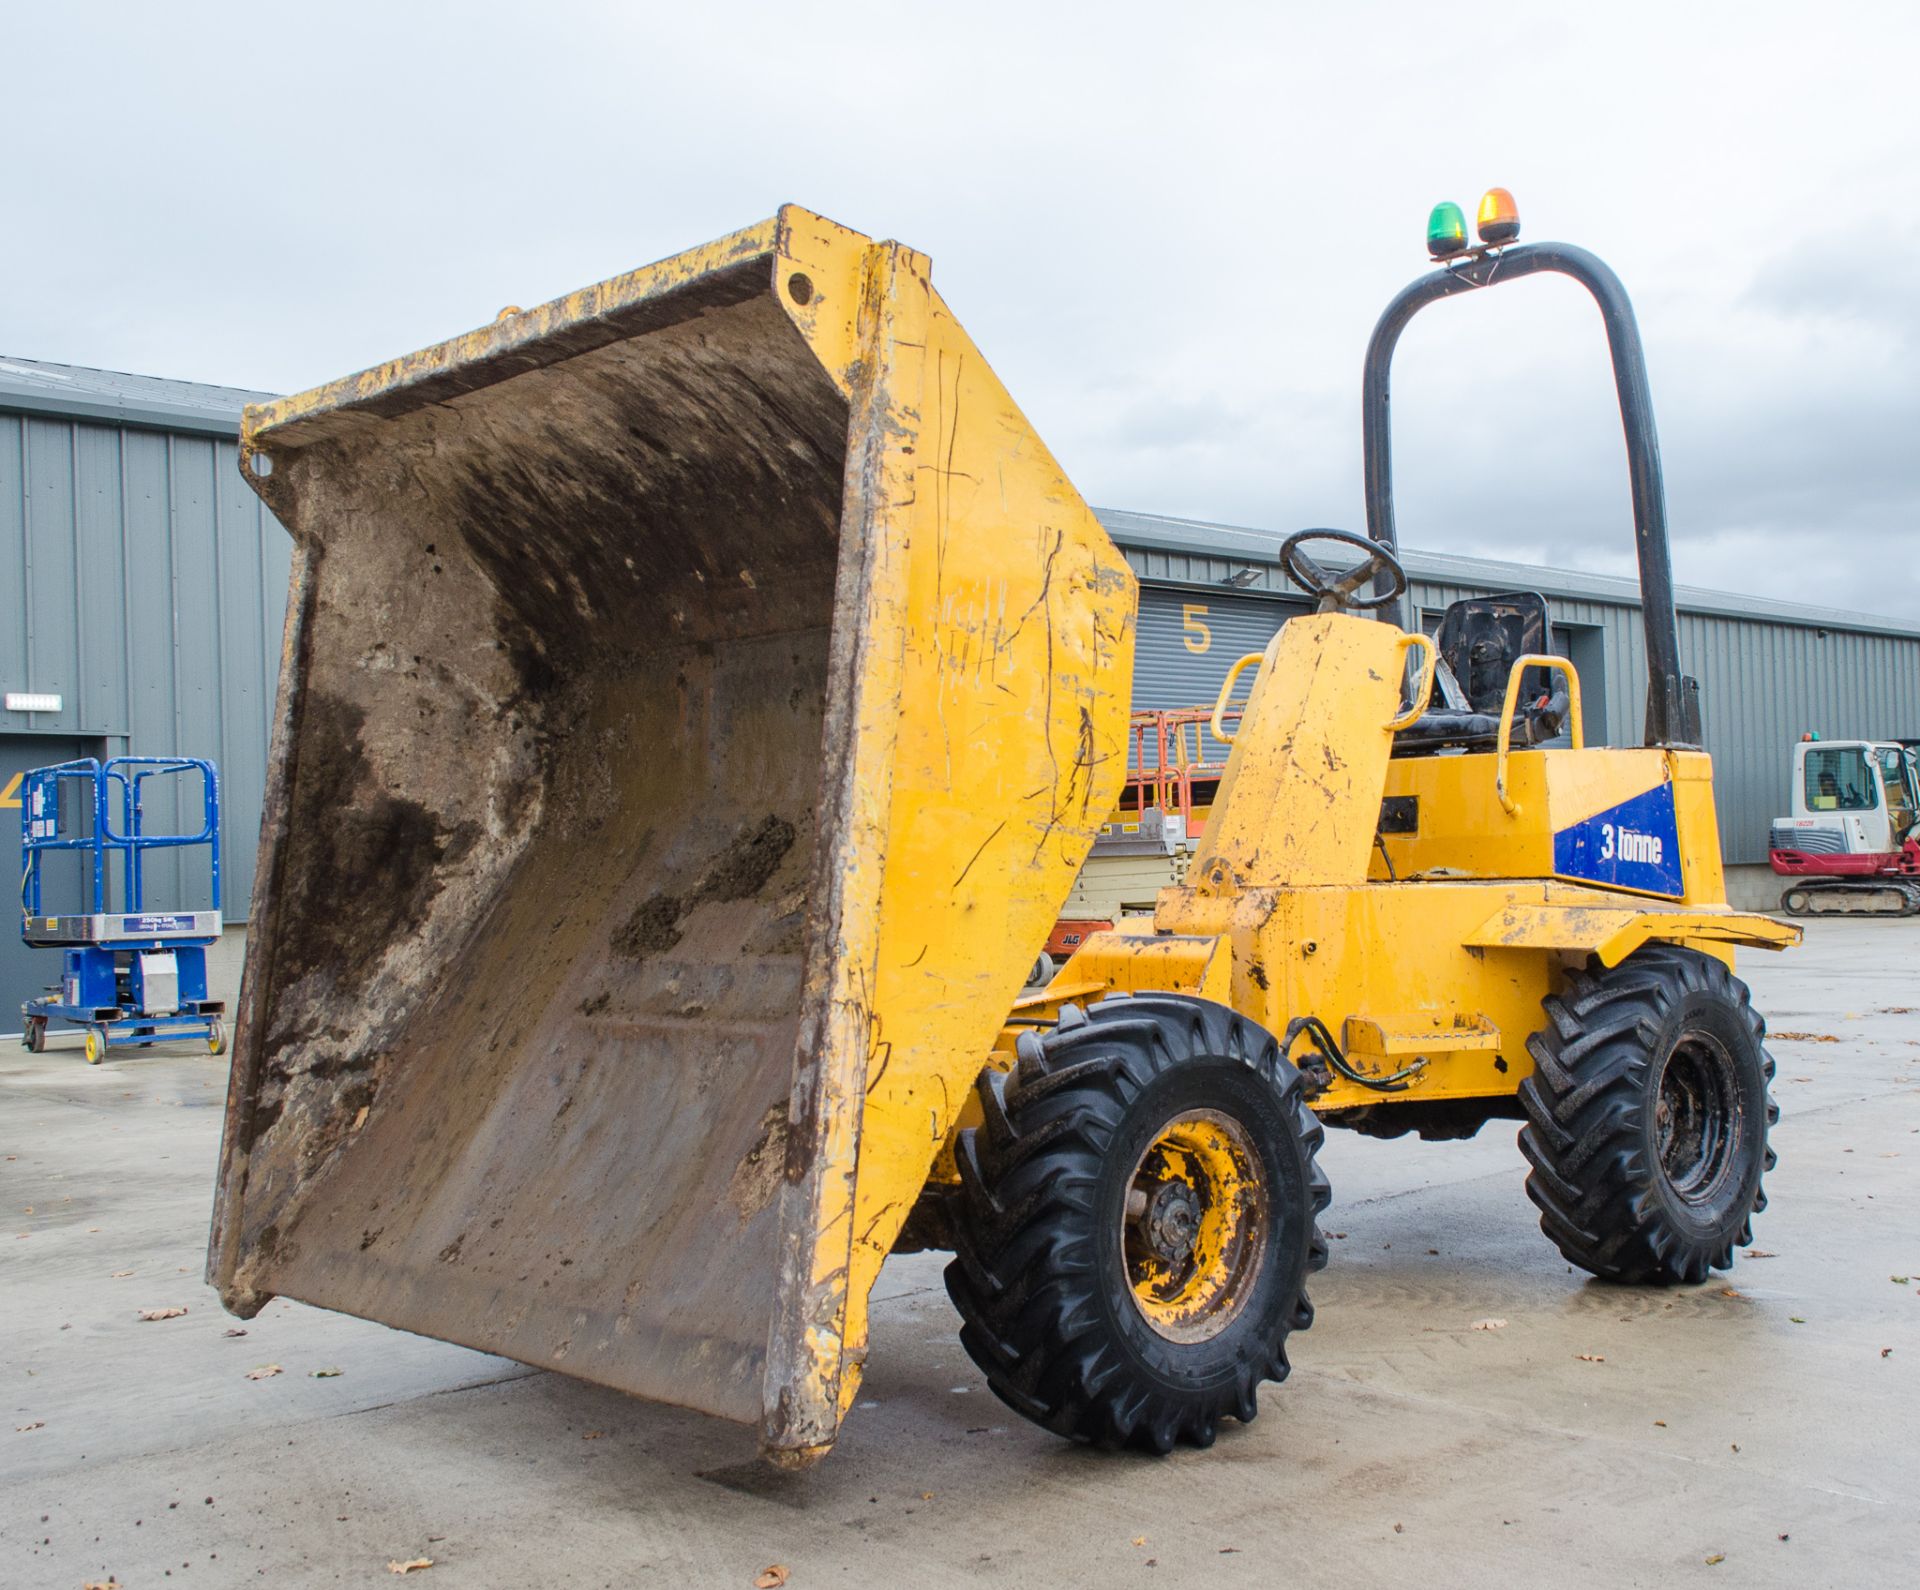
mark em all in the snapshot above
pixel 1673 700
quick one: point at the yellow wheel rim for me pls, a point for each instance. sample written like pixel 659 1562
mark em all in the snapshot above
pixel 93 1048
pixel 1196 1225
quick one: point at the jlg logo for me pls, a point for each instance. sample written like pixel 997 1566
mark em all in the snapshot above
pixel 1629 844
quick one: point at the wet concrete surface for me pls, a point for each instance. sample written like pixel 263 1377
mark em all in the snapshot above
pixel 1757 1430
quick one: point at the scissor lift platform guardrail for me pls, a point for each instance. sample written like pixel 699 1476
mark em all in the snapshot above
pixel 131 975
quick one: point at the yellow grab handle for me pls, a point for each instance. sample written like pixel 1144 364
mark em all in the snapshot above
pixel 1576 722
pixel 1226 694
pixel 1424 695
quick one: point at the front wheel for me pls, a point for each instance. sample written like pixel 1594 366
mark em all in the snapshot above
pixel 1647 1117
pixel 1136 1222
pixel 96 1045
pixel 216 1038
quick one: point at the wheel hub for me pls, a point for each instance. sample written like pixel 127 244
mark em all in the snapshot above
pixel 1693 1117
pixel 1196 1225
pixel 1172 1221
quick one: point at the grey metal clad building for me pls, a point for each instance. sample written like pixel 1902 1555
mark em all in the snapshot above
pixel 1769 671
pixel 143 584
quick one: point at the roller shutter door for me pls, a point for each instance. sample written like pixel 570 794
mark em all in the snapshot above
pixel 1189 638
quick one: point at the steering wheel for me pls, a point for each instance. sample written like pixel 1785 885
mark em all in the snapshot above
pixel 1337 596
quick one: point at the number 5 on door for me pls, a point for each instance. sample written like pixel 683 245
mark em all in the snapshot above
pixel 1197 637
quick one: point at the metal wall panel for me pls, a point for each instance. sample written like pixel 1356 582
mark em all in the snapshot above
pixel 145 584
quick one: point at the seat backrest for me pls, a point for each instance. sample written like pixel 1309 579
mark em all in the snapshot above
pixel 1480 636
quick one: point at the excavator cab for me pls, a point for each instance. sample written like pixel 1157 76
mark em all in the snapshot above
pixel 1851 843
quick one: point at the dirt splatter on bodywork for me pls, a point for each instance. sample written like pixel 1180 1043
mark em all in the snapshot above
pixel 698 695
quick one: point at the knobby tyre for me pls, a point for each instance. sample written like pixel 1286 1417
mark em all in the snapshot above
pixel 1648 1116
pixel 1136 1222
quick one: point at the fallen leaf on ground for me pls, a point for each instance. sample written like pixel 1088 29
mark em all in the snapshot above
pixel 1885 1351
pixel 101 1584
pixel 592 1435
pixel 41 1424
pixel 326 1374
pixel 161 1313
pixel 1662 1423
pixel 1488 1325
pixel 1591 1358
pixel 1718 1556
pixel 412 1565
pixel 236 1331
pixel 1730 1291
pixel 1139 1540
pixel 1759 1253
pixel 263 1372
pixel 1900 1280
pixel 771 1578
pixel 1797 1319
pixel 120 1275
pixel 1804 1037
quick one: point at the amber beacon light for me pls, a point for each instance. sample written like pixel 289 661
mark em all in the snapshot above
pixel 1498 220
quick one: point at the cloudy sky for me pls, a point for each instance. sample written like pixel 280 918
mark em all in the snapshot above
pixel 1169 227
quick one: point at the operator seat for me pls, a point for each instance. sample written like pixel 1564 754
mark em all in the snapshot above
pixel 1478 641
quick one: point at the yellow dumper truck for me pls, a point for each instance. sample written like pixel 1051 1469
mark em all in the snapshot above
pixel 698 695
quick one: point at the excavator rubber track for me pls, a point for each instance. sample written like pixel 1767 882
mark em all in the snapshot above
pixel 1852 897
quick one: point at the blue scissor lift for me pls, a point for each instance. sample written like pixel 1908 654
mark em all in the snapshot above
pixel 128 975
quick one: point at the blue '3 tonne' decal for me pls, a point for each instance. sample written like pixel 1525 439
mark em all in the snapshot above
pixel 1635 845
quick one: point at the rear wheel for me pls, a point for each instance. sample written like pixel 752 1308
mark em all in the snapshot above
pixel 1136 1222
pixel 216 1038
pixel 35 1036
pixel 1647 1117
pixel 96 1045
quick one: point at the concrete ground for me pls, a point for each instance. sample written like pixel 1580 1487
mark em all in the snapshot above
pixel 1758 1430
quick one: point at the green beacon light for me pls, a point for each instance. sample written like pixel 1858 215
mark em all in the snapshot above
pixel 1446 230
